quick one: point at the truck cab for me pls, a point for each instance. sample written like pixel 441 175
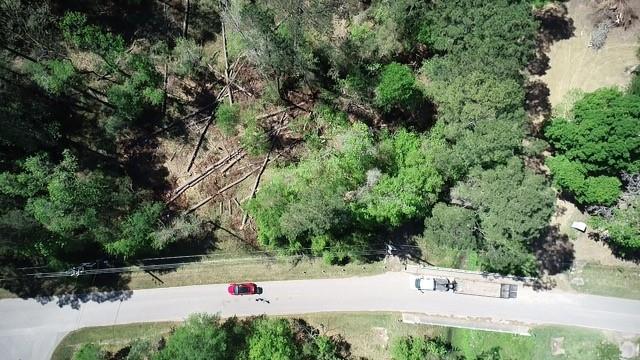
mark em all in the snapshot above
pixel 427 283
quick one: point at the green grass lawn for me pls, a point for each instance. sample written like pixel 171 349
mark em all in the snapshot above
pixel 474 342
pixel 618 281
pixel 578 344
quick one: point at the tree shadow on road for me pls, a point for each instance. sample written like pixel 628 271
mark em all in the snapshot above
pixel 75 300
pixel 72 291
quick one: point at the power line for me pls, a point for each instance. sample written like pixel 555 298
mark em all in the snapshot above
pixel 82 270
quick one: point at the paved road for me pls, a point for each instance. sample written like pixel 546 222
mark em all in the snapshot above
pixel 30 330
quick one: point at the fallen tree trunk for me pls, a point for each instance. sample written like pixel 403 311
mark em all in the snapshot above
pixel 204 131
pixel 226 62
pixel 209 198
pixel 274 113
pixel 198 178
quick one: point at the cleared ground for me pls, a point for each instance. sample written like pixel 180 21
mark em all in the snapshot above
pixel 573 65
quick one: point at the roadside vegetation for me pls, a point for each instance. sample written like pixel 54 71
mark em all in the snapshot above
pixel 329 336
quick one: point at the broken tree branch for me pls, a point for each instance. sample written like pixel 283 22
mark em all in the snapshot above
pixel 226 62
pixel 208 171
pixel 277 112
pixel 207 199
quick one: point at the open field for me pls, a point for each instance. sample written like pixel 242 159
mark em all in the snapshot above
pixel 617 281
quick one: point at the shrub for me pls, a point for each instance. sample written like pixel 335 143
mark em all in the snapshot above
pixel 397 87
pixel 89 352
pixel 227 117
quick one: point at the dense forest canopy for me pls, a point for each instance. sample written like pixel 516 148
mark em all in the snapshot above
pixel 390 115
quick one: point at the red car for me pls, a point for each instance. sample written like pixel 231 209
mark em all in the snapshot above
pixel 243 289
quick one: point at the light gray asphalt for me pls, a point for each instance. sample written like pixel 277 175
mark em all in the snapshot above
pixel 31 330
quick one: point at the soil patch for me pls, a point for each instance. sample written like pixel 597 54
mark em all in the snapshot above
pixel 574 65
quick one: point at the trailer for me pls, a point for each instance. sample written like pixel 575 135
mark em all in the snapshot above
pixel 485 288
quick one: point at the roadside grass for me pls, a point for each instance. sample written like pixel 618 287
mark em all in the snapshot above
pixel 369 334
pixel 578 343
pixel 573 343
pixel 110 338
pixel 616 281
pixel 232 261
pixel 6 294
pixel 472 343
pixel 257 269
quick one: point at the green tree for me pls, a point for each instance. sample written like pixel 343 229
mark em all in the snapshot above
pixel 255 138
pixel 272 339
pixel 89 352
pixel 451 226
pixel 397 87
pixel 139 89
pixel 188 57
pixel 603 134
pixel 608 351
pixel 413 348
pixel 84 36
pixel 136 233
pixel 199 338
pixel 494 37
pixel 322 348
pixel 623 228
pixel 571 176
pixel 474 97
pixel 140 349
pixel 514 206
pixel 409 185
pixel 54 76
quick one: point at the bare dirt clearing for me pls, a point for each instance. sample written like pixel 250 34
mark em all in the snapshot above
pixel 574 65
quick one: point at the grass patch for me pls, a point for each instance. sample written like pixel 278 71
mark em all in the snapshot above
pixel 618 281
pixel 6 294
pixel 579 344
pixel 369 333
pixel 110 338
pixel 474 342
pixel 252 269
